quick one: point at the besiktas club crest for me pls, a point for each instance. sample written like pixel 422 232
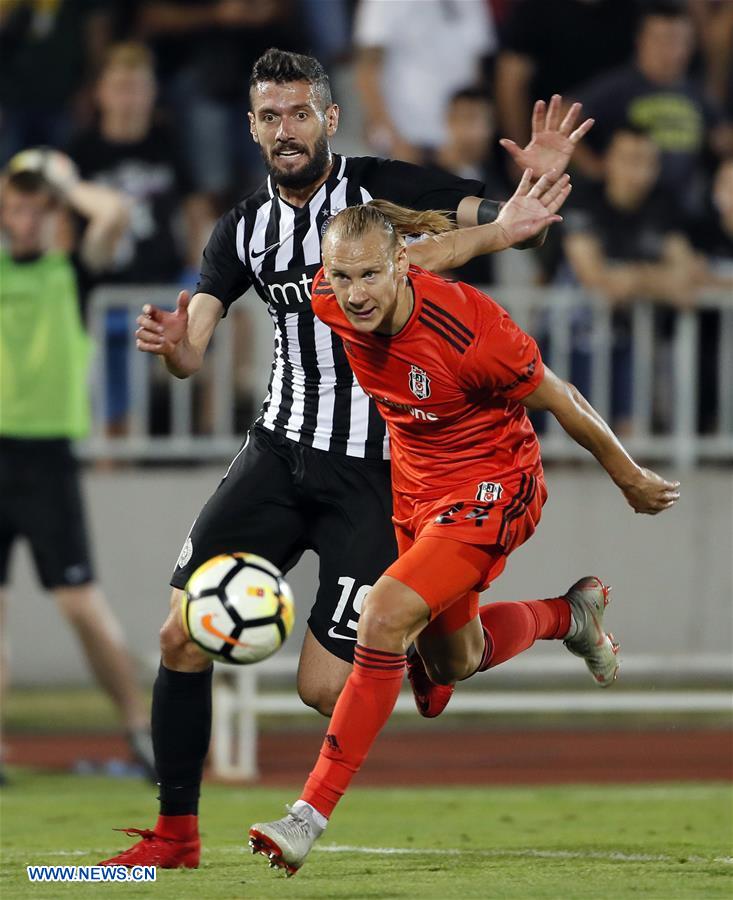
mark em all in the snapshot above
pixel 419 383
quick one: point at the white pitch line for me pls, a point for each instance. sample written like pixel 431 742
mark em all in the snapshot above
pixel 611 855
pixel 522 853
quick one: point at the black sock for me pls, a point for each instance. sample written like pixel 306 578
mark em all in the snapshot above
pixel 181 726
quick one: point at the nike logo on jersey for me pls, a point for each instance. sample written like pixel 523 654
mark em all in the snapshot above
pixel 343 637
pixel 256 254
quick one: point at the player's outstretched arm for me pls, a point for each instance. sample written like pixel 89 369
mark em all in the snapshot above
pixel 554 138
pixel 180 337
pixel 530 210
pixel 645 491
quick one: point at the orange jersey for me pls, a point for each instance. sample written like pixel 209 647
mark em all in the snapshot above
pixel 448 386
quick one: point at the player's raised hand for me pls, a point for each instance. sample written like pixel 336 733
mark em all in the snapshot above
pixel 650 493
pixel 160 331
pixel 553 140
pixel 532 208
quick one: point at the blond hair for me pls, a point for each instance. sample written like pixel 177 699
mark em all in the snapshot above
pixel 396 221
pixel 128 55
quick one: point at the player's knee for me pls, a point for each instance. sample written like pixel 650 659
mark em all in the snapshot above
pixel 322 698
pixel 173 637
pixel 77 603
pixel 385 619
pixel 177 650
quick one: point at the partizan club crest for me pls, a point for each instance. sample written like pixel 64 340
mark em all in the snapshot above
pixel 419 383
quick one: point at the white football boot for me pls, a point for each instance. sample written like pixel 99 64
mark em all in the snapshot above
pixel 288 841
pixel 588 600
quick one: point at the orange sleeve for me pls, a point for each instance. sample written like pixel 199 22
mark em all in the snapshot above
pixel 504 360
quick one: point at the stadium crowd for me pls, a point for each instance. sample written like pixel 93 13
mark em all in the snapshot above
pixel 150 98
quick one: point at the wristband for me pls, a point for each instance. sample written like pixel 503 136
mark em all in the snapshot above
pixel 488 210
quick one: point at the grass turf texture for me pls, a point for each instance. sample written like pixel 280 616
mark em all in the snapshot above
pixel 668 841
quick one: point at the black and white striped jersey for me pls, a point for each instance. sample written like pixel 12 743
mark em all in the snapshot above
pixel 265 243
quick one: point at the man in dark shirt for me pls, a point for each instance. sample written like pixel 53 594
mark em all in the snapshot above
pixel 552 47
pixel 623 241
pixel 654 94
pixel 467 152
pixel 712 235
pixel 133 153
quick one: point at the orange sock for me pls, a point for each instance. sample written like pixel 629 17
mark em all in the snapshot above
pixel 511 628
pixel 365 704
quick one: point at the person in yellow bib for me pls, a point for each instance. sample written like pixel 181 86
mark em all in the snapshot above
pixel 44 407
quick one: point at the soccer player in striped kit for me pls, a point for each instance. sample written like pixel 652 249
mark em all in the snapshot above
pixel 313 471
pixel 453 376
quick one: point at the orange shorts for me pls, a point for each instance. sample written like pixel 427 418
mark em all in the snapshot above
pixel 452 548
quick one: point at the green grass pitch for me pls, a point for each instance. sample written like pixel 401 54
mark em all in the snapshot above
pixel 650 841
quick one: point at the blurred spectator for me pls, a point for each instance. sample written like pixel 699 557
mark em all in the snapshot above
pixel 328 26
pixel 713 236
pixel 623 242
pixel 467 152
pixel 411 59
pixel 469 134
pixel 131 152
pixel 714 20
pixel 44 406
pixel 654 93
pixel 205 50
pixel 48 49
pixel 713 233
pixel 552 47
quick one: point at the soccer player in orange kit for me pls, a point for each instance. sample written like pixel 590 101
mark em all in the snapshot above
pixel 452 375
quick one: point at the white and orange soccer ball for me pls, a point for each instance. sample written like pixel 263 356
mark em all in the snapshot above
pixel 238 608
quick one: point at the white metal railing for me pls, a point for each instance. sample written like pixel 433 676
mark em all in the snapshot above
pixel 239 699
pixel 143 372
pixel 555 306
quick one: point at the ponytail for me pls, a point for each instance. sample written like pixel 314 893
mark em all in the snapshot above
pixel 396 221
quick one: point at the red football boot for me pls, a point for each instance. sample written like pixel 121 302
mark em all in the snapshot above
pixel 430 698
pixel 154 850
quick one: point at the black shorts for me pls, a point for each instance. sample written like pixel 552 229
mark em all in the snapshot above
pixel 279 498
pixel 40 499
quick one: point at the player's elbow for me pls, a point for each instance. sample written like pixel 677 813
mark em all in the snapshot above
pixel 553 394
pixel 566 399
pixel 572 393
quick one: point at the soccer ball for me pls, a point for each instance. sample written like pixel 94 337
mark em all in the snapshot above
pixel 238 608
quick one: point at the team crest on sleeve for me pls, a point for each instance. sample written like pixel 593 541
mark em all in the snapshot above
pixel 489 491
pixel 186 554
pixel 419 383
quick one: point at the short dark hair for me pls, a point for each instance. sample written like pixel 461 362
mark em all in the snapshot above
pixel 632 129
pixel 28 181
pixel 282 67
pixel 666 9
pixel 476 94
